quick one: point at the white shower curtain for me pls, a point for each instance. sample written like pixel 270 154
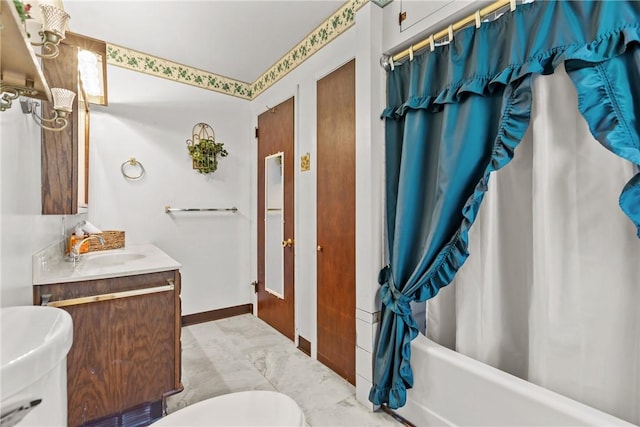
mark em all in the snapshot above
pixel 551 290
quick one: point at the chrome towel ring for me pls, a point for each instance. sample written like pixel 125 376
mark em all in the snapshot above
pixel 130 164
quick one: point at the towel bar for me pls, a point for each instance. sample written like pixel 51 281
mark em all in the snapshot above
pixel 168 209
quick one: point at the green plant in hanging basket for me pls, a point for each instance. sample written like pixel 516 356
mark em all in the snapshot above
pixel 205 154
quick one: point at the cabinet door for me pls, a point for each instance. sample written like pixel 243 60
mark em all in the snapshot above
pixel 125 351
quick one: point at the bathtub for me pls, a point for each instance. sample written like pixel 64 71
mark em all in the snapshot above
pixel 451 389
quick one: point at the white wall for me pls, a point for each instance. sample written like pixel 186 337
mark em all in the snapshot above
pixel 150 118
pixel 23 229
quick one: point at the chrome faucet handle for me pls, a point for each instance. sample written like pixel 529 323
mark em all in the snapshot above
pixel 72 256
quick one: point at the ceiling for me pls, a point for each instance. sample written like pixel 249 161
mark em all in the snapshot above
pixel 233 38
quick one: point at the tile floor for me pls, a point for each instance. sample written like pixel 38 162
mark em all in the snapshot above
pixel 244 353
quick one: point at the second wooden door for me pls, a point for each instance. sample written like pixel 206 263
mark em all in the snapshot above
pixel 336 221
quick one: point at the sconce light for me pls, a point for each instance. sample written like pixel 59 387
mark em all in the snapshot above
pixel 54 24
pixel 62 106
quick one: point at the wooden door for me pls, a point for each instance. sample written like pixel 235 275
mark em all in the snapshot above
pixel 275 134
pixel 336 221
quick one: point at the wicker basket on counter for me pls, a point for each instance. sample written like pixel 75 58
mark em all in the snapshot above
pixel 113 239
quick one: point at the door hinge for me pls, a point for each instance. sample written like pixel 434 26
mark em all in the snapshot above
pixel 401 17
pixel 255 286
pixel 256 132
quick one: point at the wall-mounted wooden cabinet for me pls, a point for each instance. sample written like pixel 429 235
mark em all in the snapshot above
pixel 65 153
pixel 60 149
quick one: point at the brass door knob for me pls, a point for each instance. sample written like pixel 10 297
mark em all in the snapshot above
pixel 287 243
pixel 320 248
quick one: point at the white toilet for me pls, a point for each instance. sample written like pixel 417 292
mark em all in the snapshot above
pixel 245 408
pixel 33 365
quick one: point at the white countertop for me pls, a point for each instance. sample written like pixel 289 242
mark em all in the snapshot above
pixel 127 261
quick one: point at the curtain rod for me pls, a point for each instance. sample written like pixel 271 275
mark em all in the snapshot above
pixel 387 61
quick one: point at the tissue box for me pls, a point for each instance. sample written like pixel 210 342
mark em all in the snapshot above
pixel 113 239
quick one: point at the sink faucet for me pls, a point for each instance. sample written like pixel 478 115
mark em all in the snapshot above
pixel 74 253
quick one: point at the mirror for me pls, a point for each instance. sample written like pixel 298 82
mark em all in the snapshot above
pixel 83 150
pixel 92 89
pixel 274 224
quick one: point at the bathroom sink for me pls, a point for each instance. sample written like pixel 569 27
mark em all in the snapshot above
pixel 110 260
pixel 49 266
pixel 35 343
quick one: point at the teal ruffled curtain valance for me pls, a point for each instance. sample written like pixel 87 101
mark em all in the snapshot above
pixel 457 114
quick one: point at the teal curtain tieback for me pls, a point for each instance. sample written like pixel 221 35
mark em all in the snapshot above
pixel 390 296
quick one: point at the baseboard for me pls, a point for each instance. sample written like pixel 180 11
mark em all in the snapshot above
pixel 349 376
pixel 304 345
pixel 222 313
pixel 395 416
pixel 139 416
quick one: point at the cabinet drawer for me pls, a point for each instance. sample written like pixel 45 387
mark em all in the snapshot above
pixel 72 290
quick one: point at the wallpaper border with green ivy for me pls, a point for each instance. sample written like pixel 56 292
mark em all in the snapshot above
pixel 326 32
pixel 335 25
pixel 159 67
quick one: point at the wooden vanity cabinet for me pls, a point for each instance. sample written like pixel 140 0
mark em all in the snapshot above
pixel 125 357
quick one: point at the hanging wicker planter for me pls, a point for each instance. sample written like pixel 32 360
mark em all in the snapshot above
pixel 204 150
